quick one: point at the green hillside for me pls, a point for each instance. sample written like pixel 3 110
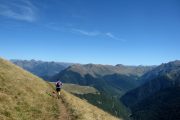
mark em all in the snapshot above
pixel 163 105
pixel 158 98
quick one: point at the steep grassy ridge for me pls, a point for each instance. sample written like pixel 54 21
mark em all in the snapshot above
pixel 23 96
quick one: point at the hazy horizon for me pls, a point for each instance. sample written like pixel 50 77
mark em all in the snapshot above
pixel 94 63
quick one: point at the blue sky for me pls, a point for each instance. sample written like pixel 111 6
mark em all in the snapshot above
pixel 131 32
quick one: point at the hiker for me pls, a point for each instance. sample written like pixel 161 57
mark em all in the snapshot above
pixel 58 87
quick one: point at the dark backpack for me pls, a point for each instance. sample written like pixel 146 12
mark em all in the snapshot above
pixel 58 85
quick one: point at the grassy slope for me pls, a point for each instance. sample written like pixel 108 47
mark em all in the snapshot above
pixel 23 96
pixel 82 110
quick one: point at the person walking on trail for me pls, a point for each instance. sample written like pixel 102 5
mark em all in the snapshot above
pixel 58 87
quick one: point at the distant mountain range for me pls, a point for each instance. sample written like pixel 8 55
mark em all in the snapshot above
pixel 42 69
pixel 119 76
pixel 98 70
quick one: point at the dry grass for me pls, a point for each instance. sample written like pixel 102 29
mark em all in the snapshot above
pixel 81 110
pixel 78 89
pixel 23 96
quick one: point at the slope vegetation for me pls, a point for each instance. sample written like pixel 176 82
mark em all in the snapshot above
pixel 158 98
pixel 164 76
pixel 163 105
pixel 23 96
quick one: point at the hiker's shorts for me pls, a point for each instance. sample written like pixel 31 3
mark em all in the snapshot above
pixel 58 89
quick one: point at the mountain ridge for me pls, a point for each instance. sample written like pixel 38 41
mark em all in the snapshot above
pixel 145 100
pixel 40 68
pixel 101 70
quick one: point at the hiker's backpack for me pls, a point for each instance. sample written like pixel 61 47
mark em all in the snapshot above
pixel 58 84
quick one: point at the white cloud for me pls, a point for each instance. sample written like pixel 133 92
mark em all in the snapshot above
pixel 88 33
pixel 97 33
pixel 110 35
pixel 19 10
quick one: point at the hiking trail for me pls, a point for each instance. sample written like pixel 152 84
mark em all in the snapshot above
pixel 64 113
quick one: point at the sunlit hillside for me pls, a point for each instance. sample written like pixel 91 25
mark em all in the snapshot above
pixel 23 96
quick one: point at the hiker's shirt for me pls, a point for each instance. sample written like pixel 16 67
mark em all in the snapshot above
pixel 58 85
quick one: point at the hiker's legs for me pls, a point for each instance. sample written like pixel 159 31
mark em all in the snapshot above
pixel 58 92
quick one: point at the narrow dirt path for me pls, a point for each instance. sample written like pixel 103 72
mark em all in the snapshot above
pixel 64 113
